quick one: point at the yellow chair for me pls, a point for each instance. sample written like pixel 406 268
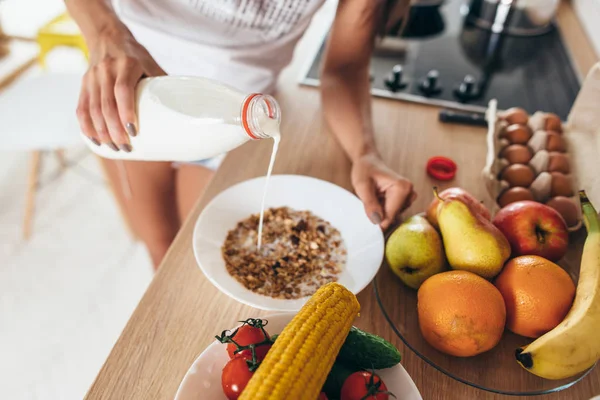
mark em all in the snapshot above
pixel 61 31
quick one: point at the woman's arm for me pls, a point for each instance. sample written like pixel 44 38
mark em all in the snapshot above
pixel 345 90
pixel 106 108
pixel 94 18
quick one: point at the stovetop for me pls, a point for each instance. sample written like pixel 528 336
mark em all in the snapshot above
pixel 463 67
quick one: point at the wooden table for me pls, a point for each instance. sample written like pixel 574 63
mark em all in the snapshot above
pixel 181 310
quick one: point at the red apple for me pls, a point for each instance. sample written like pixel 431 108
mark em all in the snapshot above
pixel 459 194
pixel 533 229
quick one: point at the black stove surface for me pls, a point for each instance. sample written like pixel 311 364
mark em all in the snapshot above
pixel 471 66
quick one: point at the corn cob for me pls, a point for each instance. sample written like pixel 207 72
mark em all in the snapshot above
pixel 297 365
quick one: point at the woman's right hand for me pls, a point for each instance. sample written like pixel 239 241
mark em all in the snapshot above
pixel 106 108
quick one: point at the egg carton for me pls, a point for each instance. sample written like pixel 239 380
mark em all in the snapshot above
pixel 581 137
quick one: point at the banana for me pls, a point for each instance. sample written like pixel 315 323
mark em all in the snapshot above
pixel 574 345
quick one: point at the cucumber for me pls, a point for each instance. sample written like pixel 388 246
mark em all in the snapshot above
pixel 335 379
pixel 362 350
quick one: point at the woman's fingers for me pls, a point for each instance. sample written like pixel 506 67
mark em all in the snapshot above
pixel 83 114
pixel 108 103
pixel 398 197
pixel 128 75
pixel 366 191
pixel 95 107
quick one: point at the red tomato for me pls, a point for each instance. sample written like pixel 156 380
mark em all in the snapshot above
pixel 245 336
pixel 235 377
pixel 322 396
pixel 363 385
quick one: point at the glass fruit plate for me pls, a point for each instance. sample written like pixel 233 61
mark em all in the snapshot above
pixel 496 370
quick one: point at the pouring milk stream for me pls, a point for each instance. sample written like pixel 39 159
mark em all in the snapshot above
pixel 185 119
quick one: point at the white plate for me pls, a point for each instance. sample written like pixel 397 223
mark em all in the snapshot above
pixel 203 379
pixel 363 240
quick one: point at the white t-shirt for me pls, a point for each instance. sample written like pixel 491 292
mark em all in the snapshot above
pixel 244 43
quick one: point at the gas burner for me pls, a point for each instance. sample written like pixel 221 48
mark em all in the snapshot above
pixel 463 67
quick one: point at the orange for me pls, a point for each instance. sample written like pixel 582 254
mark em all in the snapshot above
pixel 537 293
pixel 460 313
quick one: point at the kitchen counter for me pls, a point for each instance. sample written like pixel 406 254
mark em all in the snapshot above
pixel 181 310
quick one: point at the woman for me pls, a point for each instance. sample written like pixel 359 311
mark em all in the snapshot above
pixel 244 43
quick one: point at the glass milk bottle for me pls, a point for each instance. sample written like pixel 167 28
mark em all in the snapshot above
pixel 189 119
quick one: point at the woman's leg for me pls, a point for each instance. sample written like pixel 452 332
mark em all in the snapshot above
pixel 191 183
pixel 150 205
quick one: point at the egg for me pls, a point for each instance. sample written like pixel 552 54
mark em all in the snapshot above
pixel 559 162
pixel 555 142
pixel 516 115
pixel 518 175
pixel 517 134
pixel 565 207
pixel 514 194
pixel 517 154
pixel 552 122
pixel 562 185
pixel 541 187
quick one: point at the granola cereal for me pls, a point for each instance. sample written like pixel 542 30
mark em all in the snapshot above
pixel 300 252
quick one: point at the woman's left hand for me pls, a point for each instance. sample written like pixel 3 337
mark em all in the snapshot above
pixel 384 193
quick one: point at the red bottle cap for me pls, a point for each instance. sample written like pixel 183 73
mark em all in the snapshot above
pixel 441 168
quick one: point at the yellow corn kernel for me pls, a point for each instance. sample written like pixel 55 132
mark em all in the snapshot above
pixel 297 365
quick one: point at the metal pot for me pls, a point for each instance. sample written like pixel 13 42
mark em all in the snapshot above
pixel 424 20
pixel 513 17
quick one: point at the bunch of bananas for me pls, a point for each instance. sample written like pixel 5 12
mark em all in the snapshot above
pixel 574 345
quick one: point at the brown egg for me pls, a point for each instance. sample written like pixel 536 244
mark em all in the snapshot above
pixel 552 122
pixel 516 115
pixel 514 194
pixel 518 175
pixel 558 162
pixel 565 207
pixel 517 154
pixel 517 134
pixel 561 185
pixel 555 142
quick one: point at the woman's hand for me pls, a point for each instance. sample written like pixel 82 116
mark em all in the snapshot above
pixel 384 193
pixel 106 108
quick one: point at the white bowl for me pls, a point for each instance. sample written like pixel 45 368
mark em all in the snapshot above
pixel 203 379
pixel 363 240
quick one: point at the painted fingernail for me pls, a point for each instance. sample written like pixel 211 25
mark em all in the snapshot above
pixel 131 129
pixel 376 218
pixel 125 147
pixel 97 143
pixel 113 146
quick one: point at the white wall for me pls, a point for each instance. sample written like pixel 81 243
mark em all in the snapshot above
pixel 24 17
pixel 588 12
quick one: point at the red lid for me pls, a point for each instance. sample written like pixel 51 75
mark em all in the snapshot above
pixel 245 112
pixel 245 115
pixel 441 168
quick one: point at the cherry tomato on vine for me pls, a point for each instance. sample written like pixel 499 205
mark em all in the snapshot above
pixel 364 385
pixel 235 377
pixel 247 335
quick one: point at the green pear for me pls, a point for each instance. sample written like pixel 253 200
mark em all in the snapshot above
pixel 415 251
pixel 471 241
